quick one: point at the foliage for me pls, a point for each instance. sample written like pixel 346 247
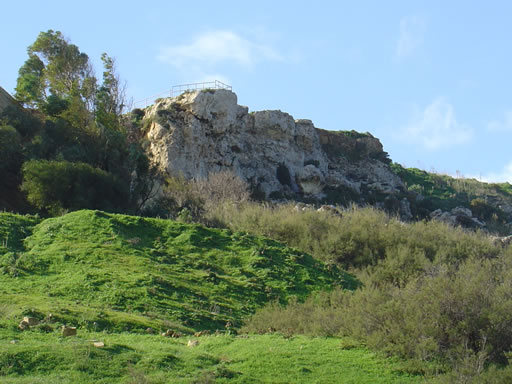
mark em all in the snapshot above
pixel 221 188
pixel 358 237
pixel 198 196
pixel 55 67
pixel 59 185
pixel 448 316
pixel 110 99
pixel 445 192
pixel 10 148
pixel 72 121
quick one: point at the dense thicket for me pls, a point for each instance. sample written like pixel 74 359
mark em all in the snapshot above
pixel 436 295
pixel 70 147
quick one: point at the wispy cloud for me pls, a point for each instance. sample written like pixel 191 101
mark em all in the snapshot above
pixel 412 30
pixel 504 125
pixel 436 127
pixel 216 47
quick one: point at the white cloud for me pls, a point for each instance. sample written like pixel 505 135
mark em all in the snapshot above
pixel 412 29
pixel 436 127
pixel 504 125
pixel 505 175
pixel 215 47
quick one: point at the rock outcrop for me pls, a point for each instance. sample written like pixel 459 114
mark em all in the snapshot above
pixel 207 131
pixel 458 216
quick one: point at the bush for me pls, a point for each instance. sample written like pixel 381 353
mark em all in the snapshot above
pixel 357 238
pixel 10 148
pixel 198 196
pixel 60 185
pixel 222 187
pixel 453 315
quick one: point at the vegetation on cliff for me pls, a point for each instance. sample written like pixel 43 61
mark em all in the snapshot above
pixel 430 300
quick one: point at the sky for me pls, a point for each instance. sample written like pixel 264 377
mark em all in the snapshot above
pixel 430 79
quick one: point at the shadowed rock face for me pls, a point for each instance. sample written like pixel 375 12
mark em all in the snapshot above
pixel 207 131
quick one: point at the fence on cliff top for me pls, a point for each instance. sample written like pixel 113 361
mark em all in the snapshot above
pixel 177 90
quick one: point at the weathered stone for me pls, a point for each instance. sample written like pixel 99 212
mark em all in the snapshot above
pixel 99 344
pixel 171 333
pixel 458 216
pixel 461 211
pixel 23 325
pixel 207 131
pixel 331 209
pixel 68 331
pixel 192 343
pixel 31 320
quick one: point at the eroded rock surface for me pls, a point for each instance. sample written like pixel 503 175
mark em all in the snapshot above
pixel 207 131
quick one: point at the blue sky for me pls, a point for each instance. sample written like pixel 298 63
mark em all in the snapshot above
pixel 430 79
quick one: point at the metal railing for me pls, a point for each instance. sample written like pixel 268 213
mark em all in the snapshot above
pixel 177 90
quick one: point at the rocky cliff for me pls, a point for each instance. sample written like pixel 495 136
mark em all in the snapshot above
pixel 207 131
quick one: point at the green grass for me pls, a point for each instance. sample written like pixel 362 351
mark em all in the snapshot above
pixel 135 358
pixel 114 275
pixel 103 271
pixel 446 192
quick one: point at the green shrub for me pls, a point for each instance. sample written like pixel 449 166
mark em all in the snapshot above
pixel 60 185
pixel 10 148
pixel 451 315
pixel 359 237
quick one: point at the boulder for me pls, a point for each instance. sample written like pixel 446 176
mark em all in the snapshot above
pixel 31 321
pixel 202 333
pixel 68 331
pixel 23 325
pixel 458 216
pixel 171 333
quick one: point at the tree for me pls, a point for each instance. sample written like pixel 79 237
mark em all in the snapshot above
pixel 60 185
pixel 55 67
pixel 110 98
pixel 10 147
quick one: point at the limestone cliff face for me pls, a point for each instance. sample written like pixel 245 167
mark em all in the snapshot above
pixel 207 131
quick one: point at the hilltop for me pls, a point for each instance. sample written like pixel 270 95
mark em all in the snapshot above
pixel 111 272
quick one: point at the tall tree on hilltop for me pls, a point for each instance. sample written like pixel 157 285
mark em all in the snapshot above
pixel 55 67
pixel 110 97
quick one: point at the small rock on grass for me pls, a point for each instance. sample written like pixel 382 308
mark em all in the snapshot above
pixel 68 331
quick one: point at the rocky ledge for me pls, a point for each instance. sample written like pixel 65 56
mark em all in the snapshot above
pixel 207 131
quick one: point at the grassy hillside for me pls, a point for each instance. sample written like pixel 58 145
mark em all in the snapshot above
pixel 114 275
pixel 135 358
pixel 485 200
pixel 115 272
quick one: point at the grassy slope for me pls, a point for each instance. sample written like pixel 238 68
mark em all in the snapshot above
pixel 446 192
pixel 116 272
pixel 134 358
pixel 109 273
